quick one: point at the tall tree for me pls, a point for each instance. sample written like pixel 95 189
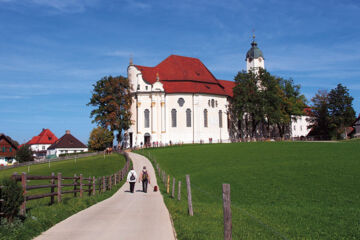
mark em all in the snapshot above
pixel 292 104
pixel 341 112
pixel 112 101
pixel 100 139
pixel 320 118
pixel 247 103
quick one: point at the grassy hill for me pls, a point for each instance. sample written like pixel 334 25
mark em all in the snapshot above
pixel 282 190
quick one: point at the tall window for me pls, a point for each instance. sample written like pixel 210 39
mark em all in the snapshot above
pixel 147 118
pixel 205 118
pixel 212 103
pixel 173 117
pixel 188 117
pixel 4 149
pixel 220 119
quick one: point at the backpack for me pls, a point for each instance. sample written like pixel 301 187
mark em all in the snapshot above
pixel 145 176
pixel 132 177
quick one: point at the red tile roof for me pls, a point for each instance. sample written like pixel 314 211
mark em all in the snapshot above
pixel 45 137
pixel 180 74
pixel 228 86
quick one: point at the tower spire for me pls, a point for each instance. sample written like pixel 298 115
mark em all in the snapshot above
pixel 131 60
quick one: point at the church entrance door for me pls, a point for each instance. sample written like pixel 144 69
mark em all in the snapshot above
pixel 147 139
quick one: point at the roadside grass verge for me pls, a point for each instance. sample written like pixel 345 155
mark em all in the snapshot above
pixel 41 216
pixel 281 190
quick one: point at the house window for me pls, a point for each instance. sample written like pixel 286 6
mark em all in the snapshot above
pixel 205 118
pixel 147 118
pixel 212 103
pixel 4 149
pixel 10 149
pixel 209 103
pixel 173 117
pixel 294 127
pixel 43 147
pixel 220 119
pixel 188 117
pixel 138 87
pixel 146 87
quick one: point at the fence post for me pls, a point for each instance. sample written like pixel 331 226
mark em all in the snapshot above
pixel 227 212
pixel 103 184
pixel 59 187
pixel 93 185
pixel 81 185
pixel 191 212
pixel 52 182
pixel 115 179
pixel 168 184
pixel 173 189
pixel 90 183
pixel 75 185
pixel 121 175
pixel 109 182
pixel 99 181
pixel 179 191
pixel 23 184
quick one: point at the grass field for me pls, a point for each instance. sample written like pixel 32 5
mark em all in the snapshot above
pixel 282 190
pixel 40 215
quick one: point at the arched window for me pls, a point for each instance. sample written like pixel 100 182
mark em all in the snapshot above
pixel 212 103
pixel 147 118
pixel 205 118
pixel 220 119
pixel 188 117
pixel 173 117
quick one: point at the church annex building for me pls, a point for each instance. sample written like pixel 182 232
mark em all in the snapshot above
pixel 181 101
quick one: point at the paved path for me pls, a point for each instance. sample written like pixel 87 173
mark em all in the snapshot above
pixel 124 216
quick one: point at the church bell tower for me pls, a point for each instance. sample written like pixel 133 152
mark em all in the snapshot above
pixel 254 58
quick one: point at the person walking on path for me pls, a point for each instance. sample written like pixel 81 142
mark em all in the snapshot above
pixel 131 179
pixel 145 178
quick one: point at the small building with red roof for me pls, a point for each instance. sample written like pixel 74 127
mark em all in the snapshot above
pixel 40 143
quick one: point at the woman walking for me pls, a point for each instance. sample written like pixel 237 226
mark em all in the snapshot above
pixel 145 178
pixel 131 179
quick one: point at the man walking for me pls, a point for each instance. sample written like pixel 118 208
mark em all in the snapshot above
pixel 145 178
pixel 131 179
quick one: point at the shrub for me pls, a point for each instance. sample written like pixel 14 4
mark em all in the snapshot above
pixel 24 154
pixel 11 192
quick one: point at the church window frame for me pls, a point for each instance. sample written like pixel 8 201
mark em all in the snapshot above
pixel 220 119
pixel 146 118
pixel 173 118
pixel 205 118
pixel 188 117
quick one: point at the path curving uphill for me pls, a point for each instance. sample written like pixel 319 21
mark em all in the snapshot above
pixel 122 216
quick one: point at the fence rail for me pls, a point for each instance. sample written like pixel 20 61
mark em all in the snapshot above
pixel 74 185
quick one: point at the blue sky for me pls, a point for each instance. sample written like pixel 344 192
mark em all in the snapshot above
pixel 52 51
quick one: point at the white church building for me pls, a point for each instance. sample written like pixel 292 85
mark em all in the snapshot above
pixel 181 101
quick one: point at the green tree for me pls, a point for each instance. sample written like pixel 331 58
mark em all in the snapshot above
pixel 100 139
pixel 112 101
pixel 24 154
pixel 247 103
pixel 341 112
pixel 292 104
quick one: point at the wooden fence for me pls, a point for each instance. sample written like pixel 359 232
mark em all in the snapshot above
pixel 76 185
pixel 165 178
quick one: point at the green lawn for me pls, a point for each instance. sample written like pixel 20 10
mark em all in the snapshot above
pixel 281 190
pixel 40 215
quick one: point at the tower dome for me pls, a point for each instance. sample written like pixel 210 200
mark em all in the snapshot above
pixel 254 51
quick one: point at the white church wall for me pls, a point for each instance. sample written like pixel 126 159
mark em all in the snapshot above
pixel 299 126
